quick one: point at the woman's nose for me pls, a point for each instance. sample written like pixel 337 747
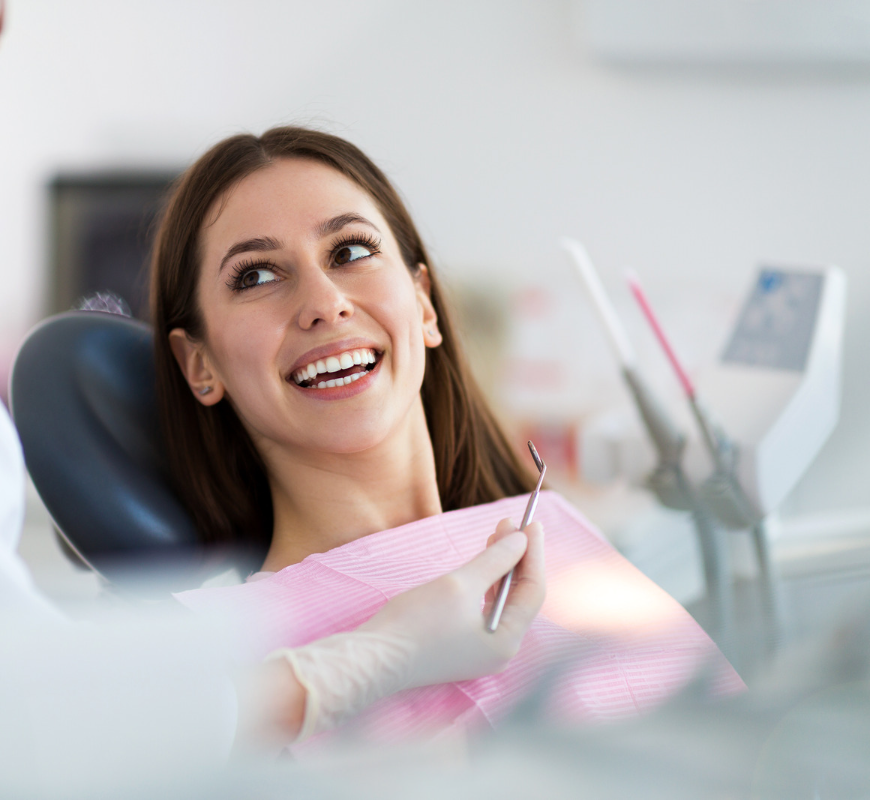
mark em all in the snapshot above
pixel 322 300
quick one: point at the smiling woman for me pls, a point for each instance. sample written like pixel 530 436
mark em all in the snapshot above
pixel 318 412
pixel 290 281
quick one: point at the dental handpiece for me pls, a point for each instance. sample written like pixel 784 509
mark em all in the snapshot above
pixel 505 585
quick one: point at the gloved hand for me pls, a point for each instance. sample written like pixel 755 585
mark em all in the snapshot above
pixel 432 634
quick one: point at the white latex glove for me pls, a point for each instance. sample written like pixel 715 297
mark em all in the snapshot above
pixel 432 634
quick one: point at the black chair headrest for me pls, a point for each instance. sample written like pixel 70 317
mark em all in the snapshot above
pixel 83 399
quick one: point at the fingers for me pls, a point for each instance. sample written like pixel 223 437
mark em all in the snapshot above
pixel 497 560
pixel 532 565
pixel 529 589
pixel 504 528
pixel 509 549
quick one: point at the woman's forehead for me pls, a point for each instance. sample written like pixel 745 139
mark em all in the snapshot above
pixel 293 196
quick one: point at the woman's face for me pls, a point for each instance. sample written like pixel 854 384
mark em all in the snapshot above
pixel 315 329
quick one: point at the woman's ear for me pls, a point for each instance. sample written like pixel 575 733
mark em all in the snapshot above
pixel 431 335
pixel 193 361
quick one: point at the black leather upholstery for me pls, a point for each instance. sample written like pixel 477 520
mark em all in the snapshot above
pixel 82 397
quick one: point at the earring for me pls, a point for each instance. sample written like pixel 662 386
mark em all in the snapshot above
pixel 431 332
pixel 204 391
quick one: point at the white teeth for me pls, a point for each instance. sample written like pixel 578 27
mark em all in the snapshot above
pixel 348 379
pixel 344 360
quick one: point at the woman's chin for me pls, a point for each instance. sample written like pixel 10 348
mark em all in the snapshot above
pixel 349 438
pixel 365 430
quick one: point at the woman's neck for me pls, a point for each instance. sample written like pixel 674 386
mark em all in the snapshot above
pixel 325 500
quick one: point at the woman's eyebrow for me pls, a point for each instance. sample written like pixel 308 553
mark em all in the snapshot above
pixel 257 245
pixel 335 224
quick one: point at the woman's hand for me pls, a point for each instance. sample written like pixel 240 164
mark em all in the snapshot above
pixel 432 634
pixel 445 619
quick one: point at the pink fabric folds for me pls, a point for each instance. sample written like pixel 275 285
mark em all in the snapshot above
pixel 607 644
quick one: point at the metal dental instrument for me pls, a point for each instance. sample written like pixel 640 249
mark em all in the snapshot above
pixel 505 585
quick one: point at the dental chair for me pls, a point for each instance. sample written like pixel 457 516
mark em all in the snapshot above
pixel 82 396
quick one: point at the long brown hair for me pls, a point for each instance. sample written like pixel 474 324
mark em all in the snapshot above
pixel 215 467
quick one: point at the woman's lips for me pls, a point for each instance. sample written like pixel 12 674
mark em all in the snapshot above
pixel 326 372
pixel 340 383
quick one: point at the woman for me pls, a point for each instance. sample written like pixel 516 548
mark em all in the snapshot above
pixel 317 408
pixel 243 475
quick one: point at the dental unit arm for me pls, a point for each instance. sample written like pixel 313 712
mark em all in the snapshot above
pixel 782 362
pixel 777 393
pixel 668 479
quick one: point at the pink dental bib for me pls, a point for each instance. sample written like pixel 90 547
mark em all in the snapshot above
pixel 607 644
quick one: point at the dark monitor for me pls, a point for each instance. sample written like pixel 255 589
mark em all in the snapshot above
pixel 102 229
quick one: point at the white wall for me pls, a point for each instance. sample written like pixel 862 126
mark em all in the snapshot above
pixel 496 124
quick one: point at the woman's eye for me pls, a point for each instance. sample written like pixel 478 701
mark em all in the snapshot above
pixel 254 277
pixel 351 252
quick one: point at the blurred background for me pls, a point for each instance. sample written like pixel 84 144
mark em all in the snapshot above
pixel 684 145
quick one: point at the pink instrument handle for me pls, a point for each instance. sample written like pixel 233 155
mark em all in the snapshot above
pixel 643 302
